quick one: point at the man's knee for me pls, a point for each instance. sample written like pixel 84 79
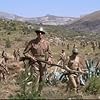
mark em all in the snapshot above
pixel 73 80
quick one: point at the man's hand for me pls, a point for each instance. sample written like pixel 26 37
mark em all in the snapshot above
pixel 34 59
pixel 73 72
pixel 83 72
pixel 50 60
pixel 76 72
pixel 30 56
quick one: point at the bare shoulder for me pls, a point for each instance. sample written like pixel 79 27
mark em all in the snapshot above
pixel 32 41
pixel 81 57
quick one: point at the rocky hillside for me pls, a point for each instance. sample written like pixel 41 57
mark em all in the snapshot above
pixel 45 20
pixel 53 20
pixel 88 23
pixel 9 16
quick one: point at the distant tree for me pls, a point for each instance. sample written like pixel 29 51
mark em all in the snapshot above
pixel 7 43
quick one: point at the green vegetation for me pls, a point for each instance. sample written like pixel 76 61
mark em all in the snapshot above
pixel 19 33
pixel 27 83
pixel 8 43
pixel 16 27
pixel 94 86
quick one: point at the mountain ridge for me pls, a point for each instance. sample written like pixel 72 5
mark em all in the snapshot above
pixel 87 23
pixel 46 20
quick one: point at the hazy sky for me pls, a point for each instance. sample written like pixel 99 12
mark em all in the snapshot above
pixel 35 8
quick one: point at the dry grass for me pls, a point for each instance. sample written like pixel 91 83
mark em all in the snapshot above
pixel 17 41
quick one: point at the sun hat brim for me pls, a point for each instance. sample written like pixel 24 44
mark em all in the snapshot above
pixel 38 31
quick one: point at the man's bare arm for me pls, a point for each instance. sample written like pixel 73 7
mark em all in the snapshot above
pixel 26 51
pixel 49 54
pixel 27 48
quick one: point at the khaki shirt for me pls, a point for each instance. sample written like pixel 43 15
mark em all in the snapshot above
pixel 38 48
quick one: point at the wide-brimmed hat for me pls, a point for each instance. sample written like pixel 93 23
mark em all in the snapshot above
pixel 40 30
pixel 75 50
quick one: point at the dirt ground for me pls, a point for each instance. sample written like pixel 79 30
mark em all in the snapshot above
pixel 9 87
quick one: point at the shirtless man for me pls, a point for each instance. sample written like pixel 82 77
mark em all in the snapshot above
pixel 75 63
pixel 15 54
pixel 61 60
pixel 39 49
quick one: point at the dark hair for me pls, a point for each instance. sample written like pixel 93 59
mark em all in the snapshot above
pixel 75 53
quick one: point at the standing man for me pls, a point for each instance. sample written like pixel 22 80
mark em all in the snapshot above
pixel 39 49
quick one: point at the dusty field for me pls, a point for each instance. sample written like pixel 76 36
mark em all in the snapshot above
pixel 9 86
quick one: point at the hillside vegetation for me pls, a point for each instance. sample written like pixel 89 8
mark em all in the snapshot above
pixel 16 34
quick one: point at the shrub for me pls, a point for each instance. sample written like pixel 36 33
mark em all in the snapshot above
pixel 94 86
pixel 18 39
pixel 27 86
pixel 7 43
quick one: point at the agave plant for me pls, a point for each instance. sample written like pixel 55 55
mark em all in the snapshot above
pixel 55 77
pixel 93 69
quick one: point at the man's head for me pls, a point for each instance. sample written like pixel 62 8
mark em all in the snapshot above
pixel 40 33
pixel 63 50
pixel 75 51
